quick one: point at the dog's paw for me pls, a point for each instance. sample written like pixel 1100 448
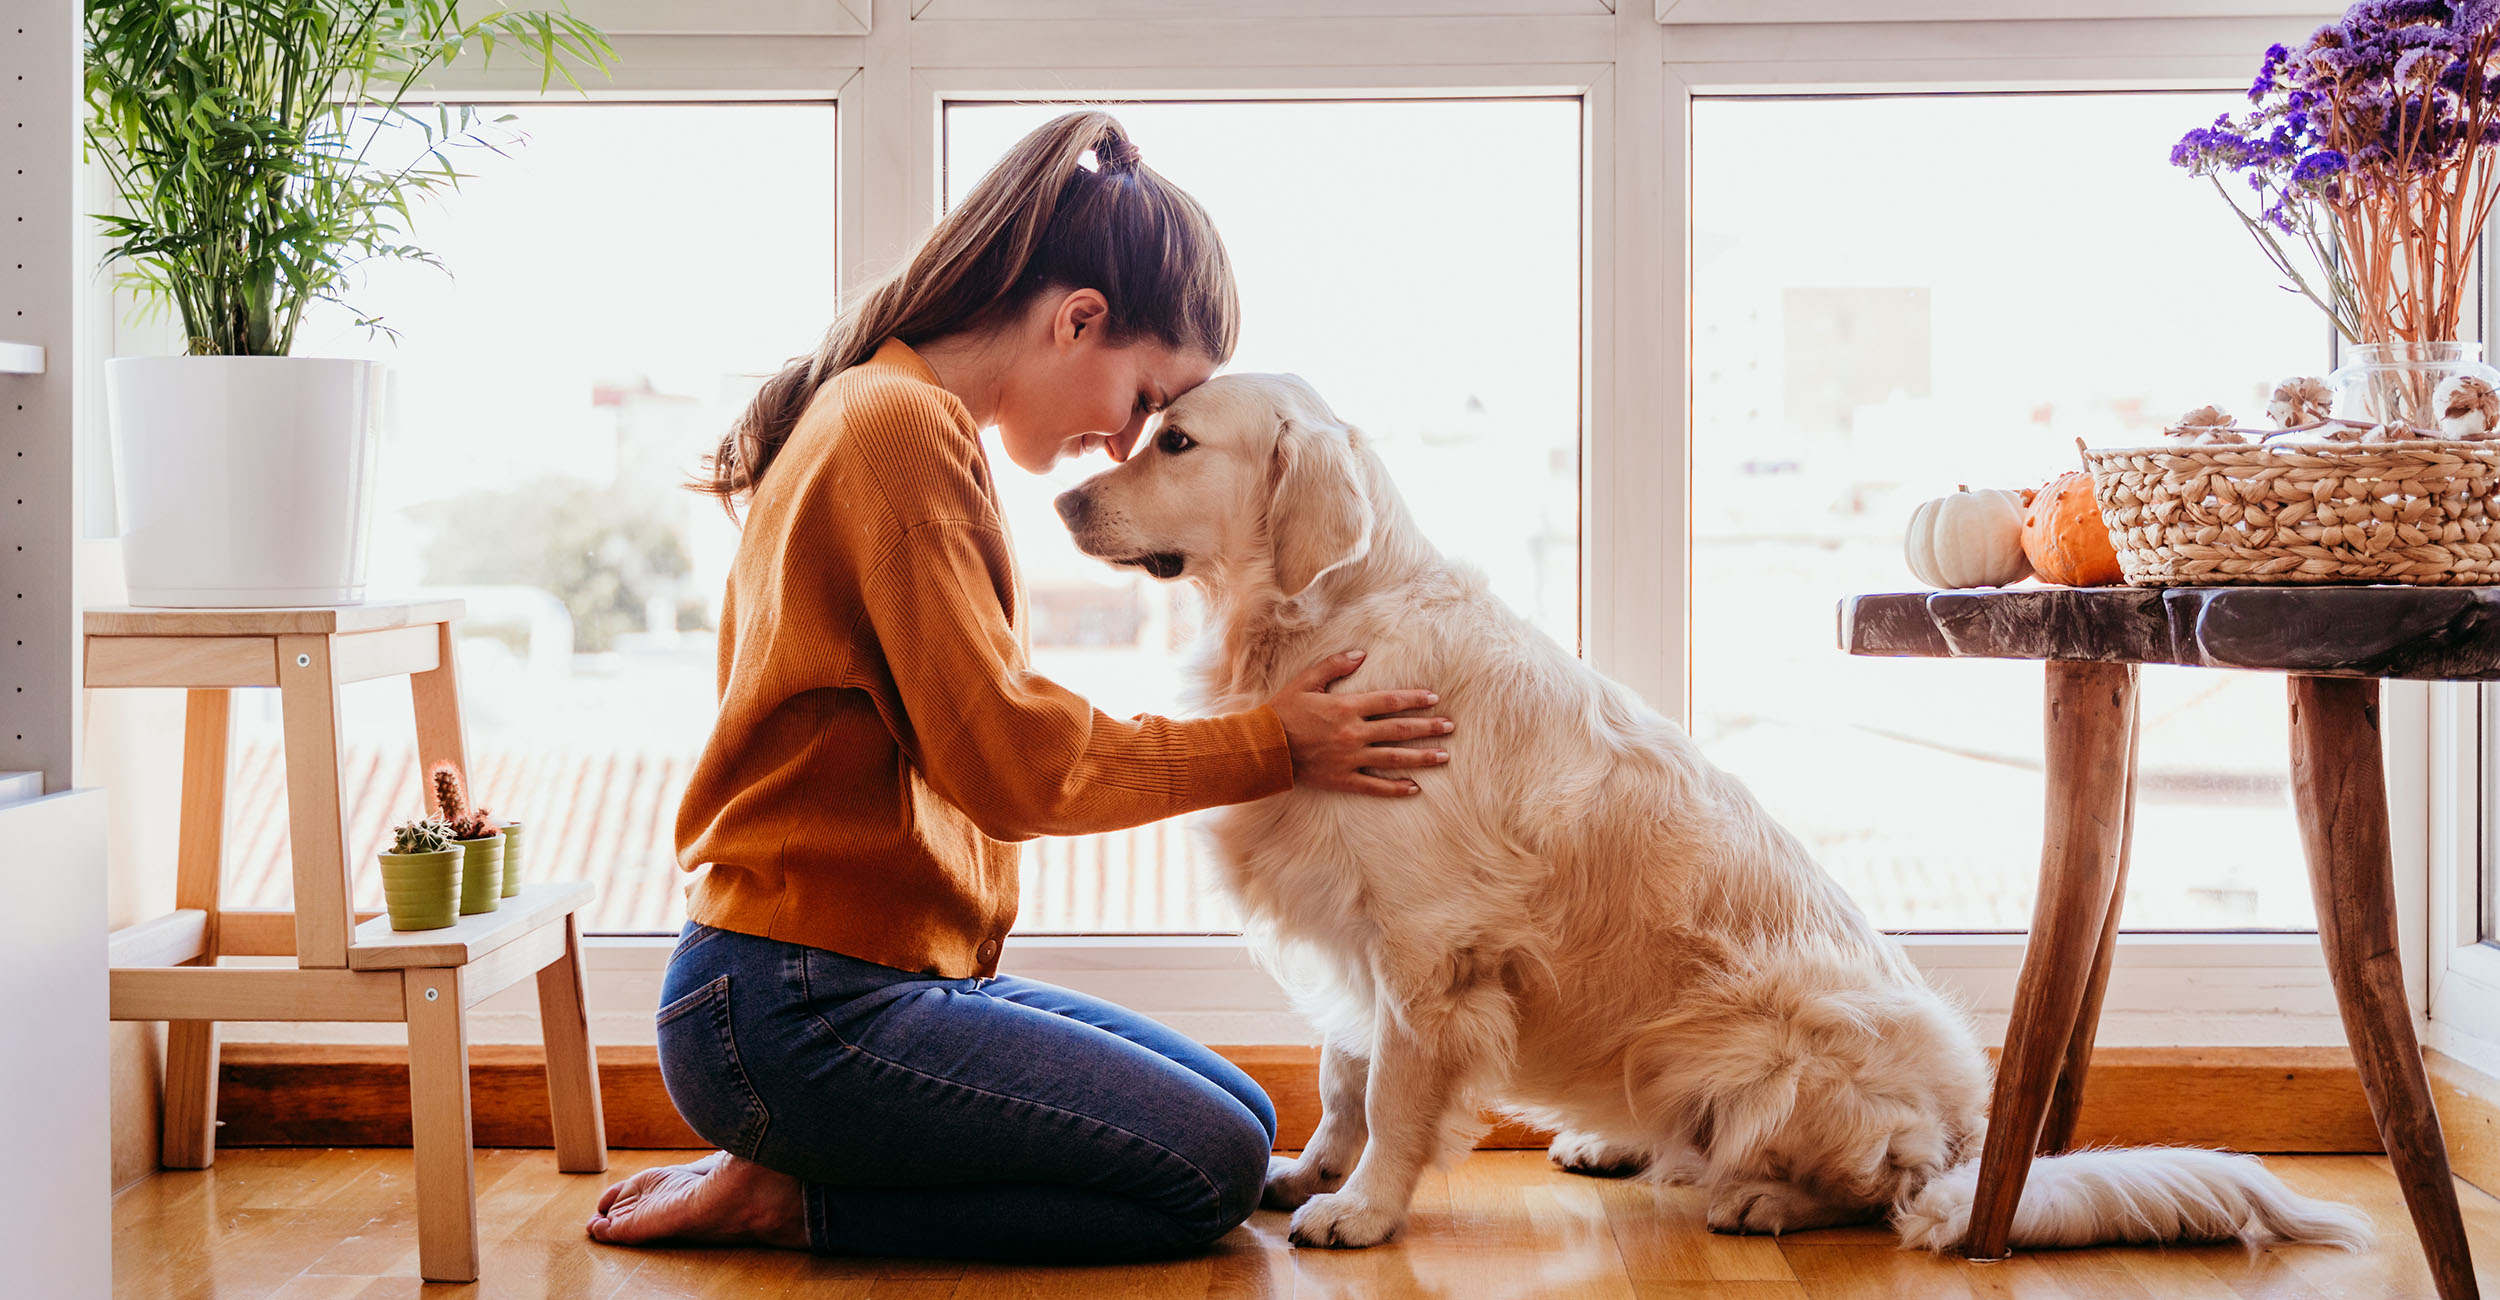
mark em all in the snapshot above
pixel 1587 1153
pixel 1343 1221
pixel 1770 1208
pixel 1291 1182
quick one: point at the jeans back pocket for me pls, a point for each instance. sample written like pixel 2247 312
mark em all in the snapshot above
pixel 706 1080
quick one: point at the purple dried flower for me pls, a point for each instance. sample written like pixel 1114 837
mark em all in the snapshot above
pixel 2393 107
pixel 2317 167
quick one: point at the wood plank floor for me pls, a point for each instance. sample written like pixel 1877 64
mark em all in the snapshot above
pixel 295 1224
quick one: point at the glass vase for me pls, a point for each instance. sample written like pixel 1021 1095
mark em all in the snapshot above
pixel 2384 382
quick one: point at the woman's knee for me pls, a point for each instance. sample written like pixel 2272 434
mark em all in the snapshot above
pixel 1234 1164
pixel 1262 1110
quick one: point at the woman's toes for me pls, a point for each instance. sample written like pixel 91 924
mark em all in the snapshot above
pixel 615 1191
pixel 652 1204
pixel 714 1200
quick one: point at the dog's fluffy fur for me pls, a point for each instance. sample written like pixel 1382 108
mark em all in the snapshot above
pixel 1580 920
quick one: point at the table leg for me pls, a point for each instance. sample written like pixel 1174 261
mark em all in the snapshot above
pixel 2058 1132
pixel 2340 792
pixel 2091 727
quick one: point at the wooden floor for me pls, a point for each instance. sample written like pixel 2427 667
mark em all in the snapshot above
pixel 294 1224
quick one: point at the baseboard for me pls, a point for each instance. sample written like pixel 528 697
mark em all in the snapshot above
pixel 2469 1116
pixel 2247 1099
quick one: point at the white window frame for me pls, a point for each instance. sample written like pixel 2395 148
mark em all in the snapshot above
pixel 2463 970
pixel 2457 946
pixel 1637 67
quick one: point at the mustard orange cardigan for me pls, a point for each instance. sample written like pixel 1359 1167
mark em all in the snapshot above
pixel 882 746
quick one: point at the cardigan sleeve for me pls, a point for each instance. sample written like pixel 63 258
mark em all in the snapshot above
pixel 1017 752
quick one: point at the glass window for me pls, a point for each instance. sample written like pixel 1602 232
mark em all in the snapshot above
pixel 1418 262
pixel 620 283
pixel 1915 292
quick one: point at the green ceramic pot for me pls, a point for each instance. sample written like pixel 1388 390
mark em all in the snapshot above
pixel 422 890
pixel 511 858
pixel 481 875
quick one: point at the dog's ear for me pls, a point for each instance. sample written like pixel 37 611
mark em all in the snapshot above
pixel 1319 516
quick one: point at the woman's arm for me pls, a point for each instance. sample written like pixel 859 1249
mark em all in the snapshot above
pixel 1024 756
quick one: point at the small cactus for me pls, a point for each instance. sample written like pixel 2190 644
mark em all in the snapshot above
pixel 421 835
pixel 449 800
pixel 476 826
pixel 452 805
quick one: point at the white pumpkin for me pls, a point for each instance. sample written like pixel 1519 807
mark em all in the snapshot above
pixel 1969 539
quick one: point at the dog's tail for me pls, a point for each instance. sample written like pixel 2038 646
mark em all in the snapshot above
pixel 2136 1194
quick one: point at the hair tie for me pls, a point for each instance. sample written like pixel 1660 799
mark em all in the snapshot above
pixel 1115 155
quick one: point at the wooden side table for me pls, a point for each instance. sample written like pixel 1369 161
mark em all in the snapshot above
pixel 346 967
pixel 2335 643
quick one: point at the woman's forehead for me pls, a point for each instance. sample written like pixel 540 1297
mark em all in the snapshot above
pixel 1174 371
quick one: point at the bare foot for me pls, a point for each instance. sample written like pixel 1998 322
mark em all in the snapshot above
pixel 719 1199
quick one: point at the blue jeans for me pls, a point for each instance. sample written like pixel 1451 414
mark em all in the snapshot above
pixel 971 1119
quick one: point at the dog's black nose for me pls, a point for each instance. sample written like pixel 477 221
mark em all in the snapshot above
pixel 1072 505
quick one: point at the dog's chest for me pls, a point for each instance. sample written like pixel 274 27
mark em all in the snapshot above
pixel 1286 864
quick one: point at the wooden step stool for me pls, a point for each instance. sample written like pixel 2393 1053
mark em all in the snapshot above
pixel 166 969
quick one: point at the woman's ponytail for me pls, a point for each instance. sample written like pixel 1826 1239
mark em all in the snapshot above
pixel 1039 220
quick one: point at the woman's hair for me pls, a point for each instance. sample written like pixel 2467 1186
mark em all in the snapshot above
pixel 1039 221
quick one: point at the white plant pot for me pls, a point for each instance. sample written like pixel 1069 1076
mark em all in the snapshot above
pixel 244 481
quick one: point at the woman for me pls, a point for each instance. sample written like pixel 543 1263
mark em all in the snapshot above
pixel 833 1018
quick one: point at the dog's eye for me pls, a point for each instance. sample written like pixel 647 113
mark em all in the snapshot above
pixel 1172 442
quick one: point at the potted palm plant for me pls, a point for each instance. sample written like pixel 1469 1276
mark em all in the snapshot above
pixel 239 138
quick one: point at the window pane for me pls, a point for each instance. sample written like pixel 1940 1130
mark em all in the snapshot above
pixel 623 280
pixel 1910 293
pixel 1420 264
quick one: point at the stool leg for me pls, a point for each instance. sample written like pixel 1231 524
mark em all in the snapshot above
pixel 190 1119
pixel 435 695
pixel 2058 1132
pixel 2091 711
pixel 438 1109
pixel 2339 788
pixel 308 701
pixel 572 1065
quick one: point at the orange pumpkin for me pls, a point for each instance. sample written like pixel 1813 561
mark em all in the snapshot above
pixel 2064 537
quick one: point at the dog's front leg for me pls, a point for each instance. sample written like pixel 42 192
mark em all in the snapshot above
pixel 1417 1069
pixel 1338 1141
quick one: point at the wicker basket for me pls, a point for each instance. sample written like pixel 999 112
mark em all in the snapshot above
pixel 2420 512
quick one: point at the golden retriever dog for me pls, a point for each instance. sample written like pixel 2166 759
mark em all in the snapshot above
pixel 1580 921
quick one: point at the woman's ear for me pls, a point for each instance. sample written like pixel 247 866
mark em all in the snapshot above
pixel 1080 313
pixel 1319 516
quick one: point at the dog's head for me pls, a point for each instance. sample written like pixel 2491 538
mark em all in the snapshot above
pixel 1250 479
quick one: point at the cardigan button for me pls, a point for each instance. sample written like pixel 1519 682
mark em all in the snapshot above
pixel 988 952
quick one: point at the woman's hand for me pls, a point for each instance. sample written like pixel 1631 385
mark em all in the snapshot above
pixel 1337 740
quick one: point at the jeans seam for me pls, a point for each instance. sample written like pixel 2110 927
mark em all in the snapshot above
pixel 736 1061
pixel 1214 1193
pixel 796 963
pixel 689 942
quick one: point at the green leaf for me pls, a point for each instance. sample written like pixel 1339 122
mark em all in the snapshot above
pixel 237 137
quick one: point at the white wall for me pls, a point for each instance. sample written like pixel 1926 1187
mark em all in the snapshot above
pixel 55 1220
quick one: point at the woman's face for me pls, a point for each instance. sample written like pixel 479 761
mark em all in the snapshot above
pixel 1072 390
